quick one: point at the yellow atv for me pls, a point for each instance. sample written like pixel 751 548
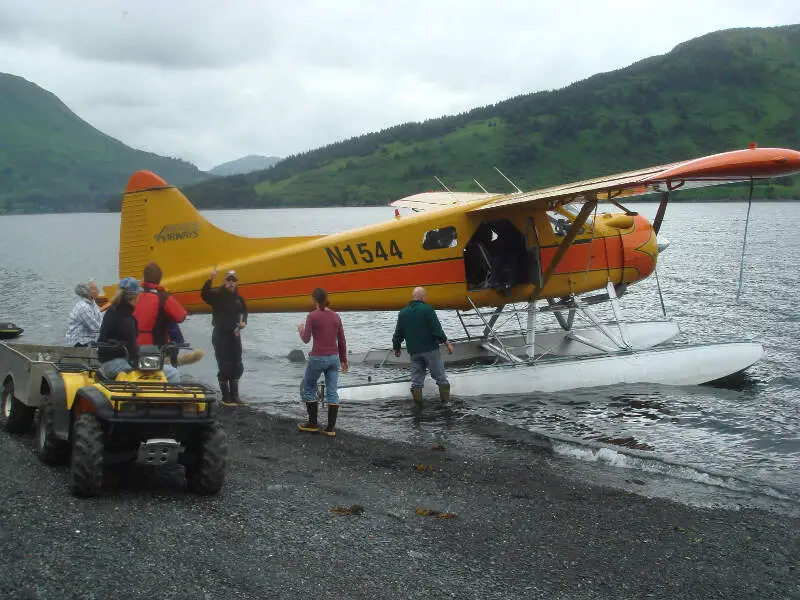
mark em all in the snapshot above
pixel 96 422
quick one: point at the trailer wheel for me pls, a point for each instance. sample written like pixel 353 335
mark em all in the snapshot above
pixel 86 464
pixel 16 417
pixel 49 448
pixel 206 473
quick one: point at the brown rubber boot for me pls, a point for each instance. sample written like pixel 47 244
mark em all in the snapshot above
pixel 311 425
pixel 444 393
pixel 333 411
pixel 416 394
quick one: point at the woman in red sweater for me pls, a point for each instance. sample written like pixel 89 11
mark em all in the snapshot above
pixel 328 355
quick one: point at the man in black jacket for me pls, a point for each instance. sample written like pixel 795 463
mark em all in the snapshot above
pixel 228 317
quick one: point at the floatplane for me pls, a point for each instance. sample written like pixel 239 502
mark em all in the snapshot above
pixel 481 254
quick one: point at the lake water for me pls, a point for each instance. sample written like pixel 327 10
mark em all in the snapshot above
pixel 732 445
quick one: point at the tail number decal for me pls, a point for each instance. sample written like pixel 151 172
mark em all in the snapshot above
pixel 362 253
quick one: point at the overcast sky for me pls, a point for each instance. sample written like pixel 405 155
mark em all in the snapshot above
pixel 211 81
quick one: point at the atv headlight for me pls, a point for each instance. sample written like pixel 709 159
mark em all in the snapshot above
pixel 150 362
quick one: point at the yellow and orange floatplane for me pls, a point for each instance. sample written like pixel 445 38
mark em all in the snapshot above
pixel 479 254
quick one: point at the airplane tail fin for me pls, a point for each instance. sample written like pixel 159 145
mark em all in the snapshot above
pixel 158 224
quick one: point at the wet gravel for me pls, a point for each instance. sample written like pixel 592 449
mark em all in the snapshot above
pixel 516 528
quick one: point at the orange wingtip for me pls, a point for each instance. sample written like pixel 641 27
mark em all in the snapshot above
pixel 144 180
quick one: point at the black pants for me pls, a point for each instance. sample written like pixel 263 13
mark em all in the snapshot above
pixel 228 351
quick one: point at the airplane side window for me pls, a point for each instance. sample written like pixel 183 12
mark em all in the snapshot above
pixel 436 239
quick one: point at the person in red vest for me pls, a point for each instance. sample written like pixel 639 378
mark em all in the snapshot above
pixel 155 311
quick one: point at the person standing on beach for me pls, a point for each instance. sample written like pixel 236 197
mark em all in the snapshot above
pixel 419 326
pixel 328 355
pixel 228 318
pixel 85 319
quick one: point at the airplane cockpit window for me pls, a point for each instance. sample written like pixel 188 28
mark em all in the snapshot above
pixel 573 208
pixel 436 239
pixel 562 218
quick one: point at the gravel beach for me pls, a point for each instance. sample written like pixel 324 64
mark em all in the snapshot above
pixel 500 525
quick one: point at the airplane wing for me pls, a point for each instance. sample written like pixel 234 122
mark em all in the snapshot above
pixel 427 201
pixel 717 169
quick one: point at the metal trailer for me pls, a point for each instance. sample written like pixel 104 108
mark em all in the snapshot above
pixel 29 371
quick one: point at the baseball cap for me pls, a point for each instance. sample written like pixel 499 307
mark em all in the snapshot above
pixel 130 284
pixel 231 276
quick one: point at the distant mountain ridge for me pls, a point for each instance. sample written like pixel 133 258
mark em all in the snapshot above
pixel 246 164
pixel 711 94
pixel 53 161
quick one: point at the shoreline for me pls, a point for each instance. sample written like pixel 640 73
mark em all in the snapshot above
pixel 518 528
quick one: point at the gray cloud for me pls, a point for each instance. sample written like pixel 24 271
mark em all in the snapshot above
pixel 210 82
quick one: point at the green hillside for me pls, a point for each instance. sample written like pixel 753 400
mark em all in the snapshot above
pixel 51 160
pixel 715 93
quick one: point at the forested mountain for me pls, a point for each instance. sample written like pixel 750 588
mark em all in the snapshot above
pixel 53 161
pixel 246 164
pixel 714 93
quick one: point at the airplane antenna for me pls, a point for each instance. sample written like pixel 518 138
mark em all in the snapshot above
pixel 480 186
pixel 443 185
pixel 508 180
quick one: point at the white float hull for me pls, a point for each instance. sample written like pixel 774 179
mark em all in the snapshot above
pixel 686 365
pixel 558 342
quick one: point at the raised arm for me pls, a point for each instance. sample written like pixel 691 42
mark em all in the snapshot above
pixel 208 294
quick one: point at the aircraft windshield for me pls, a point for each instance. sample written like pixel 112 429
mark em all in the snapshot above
pixel 574 208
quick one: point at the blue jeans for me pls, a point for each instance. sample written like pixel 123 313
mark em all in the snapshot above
pixel 115 366
pixel 431 361
pixel 317 365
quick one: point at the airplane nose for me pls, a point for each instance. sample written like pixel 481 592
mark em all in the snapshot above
pixel 663 244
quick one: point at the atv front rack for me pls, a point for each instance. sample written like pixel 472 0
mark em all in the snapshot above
pixel 158 400
pixel 194 392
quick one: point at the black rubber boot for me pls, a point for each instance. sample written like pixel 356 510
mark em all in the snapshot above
pixel 333 411
pixel 234 383
pixel 444 393
pixel 416 394
pixel 310 426
pixel 226 391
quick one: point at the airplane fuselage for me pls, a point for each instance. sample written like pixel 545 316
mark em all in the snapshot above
pixel 376 267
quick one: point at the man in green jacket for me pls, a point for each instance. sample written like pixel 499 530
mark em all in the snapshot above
pixel 419 326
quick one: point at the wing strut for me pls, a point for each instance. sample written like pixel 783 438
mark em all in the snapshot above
pixel 577 225
pixel 662 208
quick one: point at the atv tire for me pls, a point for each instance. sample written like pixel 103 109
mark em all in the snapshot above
pixel 86 464
pixel 206 472
pixel 49 448
pixel 16 417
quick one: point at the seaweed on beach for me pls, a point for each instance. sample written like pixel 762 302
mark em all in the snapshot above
pixel 429 512
pixel 355 509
